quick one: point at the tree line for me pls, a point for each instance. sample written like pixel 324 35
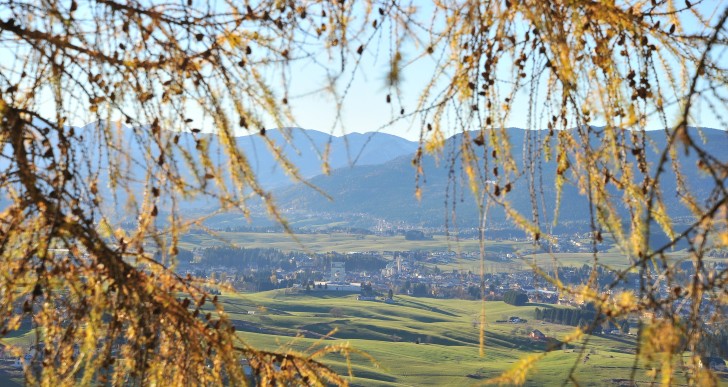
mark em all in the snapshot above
pixel 587 319
pixel 515 298
pixel 243 258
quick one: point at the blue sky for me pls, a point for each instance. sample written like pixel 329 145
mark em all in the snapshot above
pixel 366 110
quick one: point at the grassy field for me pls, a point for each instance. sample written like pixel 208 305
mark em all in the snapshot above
pixel 417 341
pixel 342 242
pixel 448 349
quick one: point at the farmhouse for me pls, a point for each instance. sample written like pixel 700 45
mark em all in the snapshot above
pixel 537 335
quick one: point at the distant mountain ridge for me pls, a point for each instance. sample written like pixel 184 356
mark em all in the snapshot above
pixel 386 191
pixel 306 150
pixel 372 177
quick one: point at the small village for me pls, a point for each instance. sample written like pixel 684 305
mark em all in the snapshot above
pixel 417 273
pixel 383 276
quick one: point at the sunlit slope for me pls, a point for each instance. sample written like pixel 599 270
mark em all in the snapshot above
pixel 446 330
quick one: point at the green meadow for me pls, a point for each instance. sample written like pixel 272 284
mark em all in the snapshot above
pixel 344 242
pixel 424 341
pixel 340 242
pixel 417 341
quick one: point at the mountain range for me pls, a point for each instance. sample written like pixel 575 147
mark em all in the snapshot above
pixel 372 178
pixel 387 190
pixel 305 148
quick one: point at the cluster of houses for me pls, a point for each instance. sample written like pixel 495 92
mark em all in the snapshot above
pixel 406 273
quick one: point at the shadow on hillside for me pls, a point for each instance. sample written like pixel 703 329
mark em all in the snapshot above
pixel 425 319
pixel 539 304
pixel 10 378
pixel 282 294
pixel 243 307
pixel 523 342
pixel 422 305
pixel 373 376
pixel 26 325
